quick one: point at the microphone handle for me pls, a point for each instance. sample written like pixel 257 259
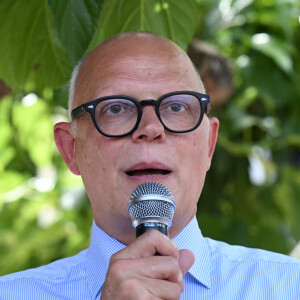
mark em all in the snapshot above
pixel 146 226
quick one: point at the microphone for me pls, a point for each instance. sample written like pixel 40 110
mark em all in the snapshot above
pixel 151 206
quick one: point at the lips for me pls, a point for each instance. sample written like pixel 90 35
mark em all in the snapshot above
pixel 148 169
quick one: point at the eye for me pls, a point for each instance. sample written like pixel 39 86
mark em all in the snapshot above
pixel 176 107
pixel 115 109
pixel 173 106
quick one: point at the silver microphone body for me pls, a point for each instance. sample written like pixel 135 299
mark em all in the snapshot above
pixel 151 206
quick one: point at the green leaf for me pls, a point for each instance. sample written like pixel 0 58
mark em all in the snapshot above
pixel 38 142
pixel 173 19
pixel 28 42
pixel 276 49
pixel 285 15
pixel 75 22
pixel 293 139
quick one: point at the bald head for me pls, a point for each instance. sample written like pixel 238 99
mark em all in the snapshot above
pixel 118 51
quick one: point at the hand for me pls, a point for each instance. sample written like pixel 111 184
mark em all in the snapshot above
pixel 149 268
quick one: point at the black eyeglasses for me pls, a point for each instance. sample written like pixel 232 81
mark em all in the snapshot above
pixel 120 115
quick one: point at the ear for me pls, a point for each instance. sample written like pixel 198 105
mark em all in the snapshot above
pixel 65 142
pixel 213 135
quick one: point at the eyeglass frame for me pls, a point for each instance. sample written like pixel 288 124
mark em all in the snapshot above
pixel 204 100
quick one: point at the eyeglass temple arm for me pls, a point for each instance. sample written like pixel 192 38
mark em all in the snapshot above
pixel 78 111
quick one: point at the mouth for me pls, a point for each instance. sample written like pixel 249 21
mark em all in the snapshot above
pixel 148 172
pixel 142 170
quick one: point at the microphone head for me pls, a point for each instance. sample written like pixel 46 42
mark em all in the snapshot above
pixel 151 202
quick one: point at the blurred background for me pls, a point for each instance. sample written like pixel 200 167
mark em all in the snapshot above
pixel 248 54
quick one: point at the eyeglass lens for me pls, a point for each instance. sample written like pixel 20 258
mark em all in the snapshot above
pixel 116 116
pixel 119 116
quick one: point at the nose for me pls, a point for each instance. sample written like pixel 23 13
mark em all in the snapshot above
pixel 150 128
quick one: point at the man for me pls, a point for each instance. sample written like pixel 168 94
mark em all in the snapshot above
pixel 114 151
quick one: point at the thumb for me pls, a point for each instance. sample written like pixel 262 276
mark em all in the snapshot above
pixel 186 259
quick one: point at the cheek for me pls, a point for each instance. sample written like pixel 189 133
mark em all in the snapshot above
pixel 97 164
pixel 98 159
pixel 196 164
pixel 198 153
pixel 88 156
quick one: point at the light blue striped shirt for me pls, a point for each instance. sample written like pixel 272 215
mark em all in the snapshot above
pixel 220 271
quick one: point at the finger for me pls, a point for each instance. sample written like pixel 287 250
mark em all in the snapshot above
pixel 158 275
pixel 162 289
pixel 186 260
pixel 149 244
pixel 161 267
pixel 148 288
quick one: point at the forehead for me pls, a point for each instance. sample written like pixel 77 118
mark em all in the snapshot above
pixel 135 64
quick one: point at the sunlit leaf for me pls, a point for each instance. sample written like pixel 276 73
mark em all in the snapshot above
pixel 35 128
pixel 275 49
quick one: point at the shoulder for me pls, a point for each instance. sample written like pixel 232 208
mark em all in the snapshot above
pixel 253 273
pixel 60 274
pixel 243 255
pixel 57 269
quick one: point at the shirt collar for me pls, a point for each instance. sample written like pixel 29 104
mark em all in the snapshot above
pixel 103 246
pixel 191 238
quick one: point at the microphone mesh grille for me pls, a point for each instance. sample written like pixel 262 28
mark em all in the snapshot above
pixel 150 200
pixel 151 188
pixel 151 209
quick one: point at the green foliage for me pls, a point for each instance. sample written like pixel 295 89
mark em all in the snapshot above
pixel 48 37
pixel 45 214
pixel 259 127
pixel 28 41
pixel 173 19
pixel 75 23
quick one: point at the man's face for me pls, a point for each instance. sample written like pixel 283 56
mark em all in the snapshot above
pixel 111 168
